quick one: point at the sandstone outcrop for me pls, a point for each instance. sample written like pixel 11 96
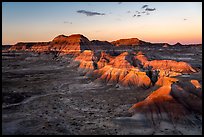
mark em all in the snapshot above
pixel 104 59
pixel 173 101
pixel 115 70
pixel 196 83
pixel 85 60
pixel 136 79
pixel 121 71
pixel 166 67
pixel 88 56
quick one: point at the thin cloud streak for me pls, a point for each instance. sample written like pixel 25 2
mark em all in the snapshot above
pixel 67 22
pixel 90 13
pixel 149 9
pixel 144 6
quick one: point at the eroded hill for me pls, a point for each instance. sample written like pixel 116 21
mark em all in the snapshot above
pixel 162 92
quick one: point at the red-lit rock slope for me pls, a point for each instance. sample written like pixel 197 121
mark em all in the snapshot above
pixel 72 44
pixel 166 67
pixel 174 101
pixel 129 42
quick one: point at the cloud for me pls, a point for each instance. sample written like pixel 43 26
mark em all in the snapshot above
pixel 90 13
pixel 149 9
pixel 137 12
pixel 128 11
pixel 144 6
pixel 67 22
pixel 136 15
pixel 144 11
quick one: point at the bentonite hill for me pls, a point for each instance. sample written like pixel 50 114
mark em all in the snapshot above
pixel 74 86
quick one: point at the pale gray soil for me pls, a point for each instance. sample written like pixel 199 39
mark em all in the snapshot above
pixel 45 96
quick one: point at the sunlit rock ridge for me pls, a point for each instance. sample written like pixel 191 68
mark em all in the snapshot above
pixel 170 99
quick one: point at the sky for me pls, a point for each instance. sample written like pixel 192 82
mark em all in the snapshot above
pixel 169 22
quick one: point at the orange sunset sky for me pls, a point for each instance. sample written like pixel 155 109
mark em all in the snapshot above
pixel 169 22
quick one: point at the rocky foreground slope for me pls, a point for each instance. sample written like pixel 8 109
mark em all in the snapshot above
pixel 171 99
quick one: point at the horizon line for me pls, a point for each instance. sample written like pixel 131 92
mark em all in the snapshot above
pixel 159 42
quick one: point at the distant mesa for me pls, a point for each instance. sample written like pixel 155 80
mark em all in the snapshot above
pixel 77 43
pixel 178 44
pixel 129 42
pixel 60 38
pixel 126 42
pixel 26 46
pixel 73 37
pixel 70 44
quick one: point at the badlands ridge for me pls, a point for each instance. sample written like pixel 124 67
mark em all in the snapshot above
pixel 171 98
